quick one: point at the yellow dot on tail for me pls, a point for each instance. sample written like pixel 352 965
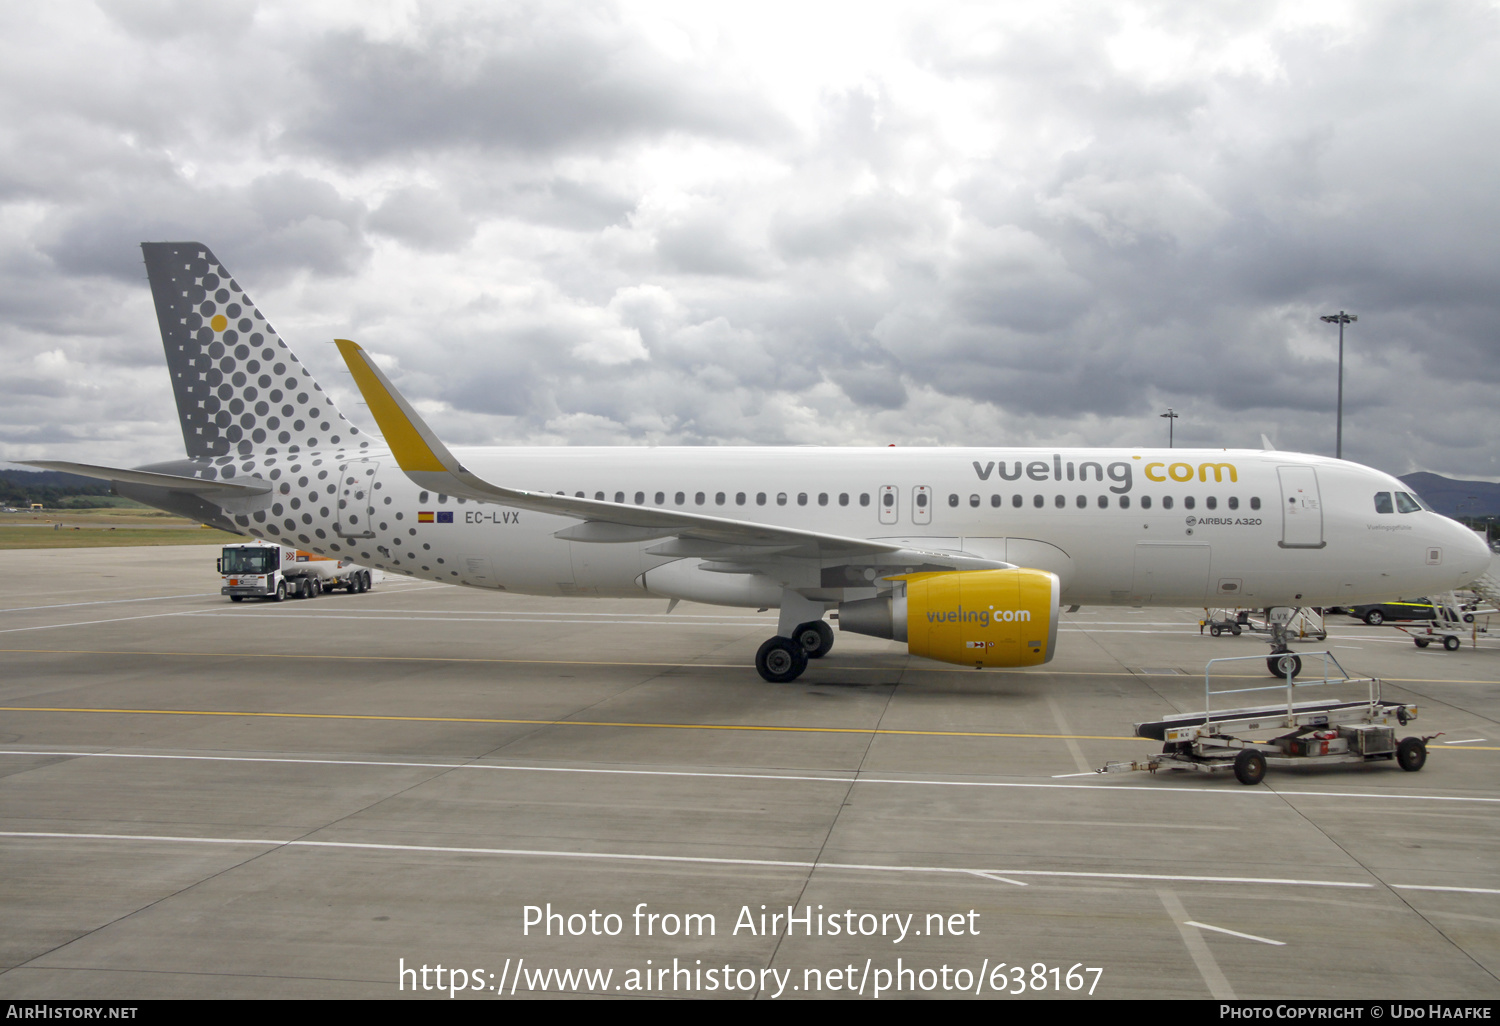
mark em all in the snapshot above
pixel 219 323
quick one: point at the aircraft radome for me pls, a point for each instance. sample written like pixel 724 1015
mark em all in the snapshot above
pixel 964 554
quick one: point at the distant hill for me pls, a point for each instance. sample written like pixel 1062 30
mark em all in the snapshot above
pixel 1477 498
pixel 53 489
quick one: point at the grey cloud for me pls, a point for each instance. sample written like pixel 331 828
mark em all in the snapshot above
pixel 423 218
pixel 525 79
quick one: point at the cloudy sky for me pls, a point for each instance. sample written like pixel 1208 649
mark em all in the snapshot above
pixel 774 223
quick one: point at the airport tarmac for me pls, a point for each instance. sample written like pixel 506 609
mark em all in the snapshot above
pixel 200 799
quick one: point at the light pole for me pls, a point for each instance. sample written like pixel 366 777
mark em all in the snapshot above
pixel 1171 418
pixel 1340 319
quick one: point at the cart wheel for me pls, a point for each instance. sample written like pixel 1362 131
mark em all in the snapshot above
pixel 1468 618
pixel 1216 630
pixel 1411 754
pixel 1235 630
pixel 1421 642
pixel 1451 643
pixel 1250 765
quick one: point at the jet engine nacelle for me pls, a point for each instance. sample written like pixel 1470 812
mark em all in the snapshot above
pixel 973 617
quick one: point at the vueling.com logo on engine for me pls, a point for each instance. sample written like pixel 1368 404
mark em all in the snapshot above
pixel 983 617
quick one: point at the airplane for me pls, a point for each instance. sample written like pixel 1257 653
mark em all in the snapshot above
pixel 967 555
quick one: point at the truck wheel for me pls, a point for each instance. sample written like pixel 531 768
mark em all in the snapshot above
pixel 1249 767
pixel 317 587
pixel 280 591
pixel 1411 754
pixel 236 598
pixel 366 582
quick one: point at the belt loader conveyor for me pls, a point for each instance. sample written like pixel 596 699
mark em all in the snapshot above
pixel 1315 732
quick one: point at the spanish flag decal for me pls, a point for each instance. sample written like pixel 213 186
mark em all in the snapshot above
pixel 425 517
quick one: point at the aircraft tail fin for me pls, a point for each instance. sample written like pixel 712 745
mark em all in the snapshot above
pixel 240 390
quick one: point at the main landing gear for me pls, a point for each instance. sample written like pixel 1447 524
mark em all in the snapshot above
pixel 782 660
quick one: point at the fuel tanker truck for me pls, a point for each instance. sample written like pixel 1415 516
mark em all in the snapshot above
pixel 262 569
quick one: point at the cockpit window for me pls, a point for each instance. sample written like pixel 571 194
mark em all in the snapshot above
pixel 1383 503
pixel 1406 504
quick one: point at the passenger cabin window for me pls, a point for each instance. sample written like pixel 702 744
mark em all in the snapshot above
pixel 864 498
pixel 679 498
pixel 1189 502
pixel 995 501
pixel 822 498
pixel 1166 502
pixel 888 500
pixel 619 496
pixel 599 496
pixel 1234 502
pixel 802 498
pixel 661 498
pixel 781 498
pixel 1383 503
pixel 921 500
pixel 739 498
pixel 1145 501
pixel 1211 502
pixel 760 498
pixel 1406 504
pixel 1038 501
pixel 1059 502
pixel 1015 501
pixel 953 499
pixel 640 498
pixel 974 501
pixel 718 498
pixel 1125 502
pixel 1255 502
pixel 843 498
pixel 1104 502
pixel 698 498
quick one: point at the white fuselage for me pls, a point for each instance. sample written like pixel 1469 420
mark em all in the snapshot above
pixel 1125 527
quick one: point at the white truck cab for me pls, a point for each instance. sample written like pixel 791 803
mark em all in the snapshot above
pixel 264 569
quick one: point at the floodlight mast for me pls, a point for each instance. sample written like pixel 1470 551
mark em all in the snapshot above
pixel 1171 423
pixel 1341 318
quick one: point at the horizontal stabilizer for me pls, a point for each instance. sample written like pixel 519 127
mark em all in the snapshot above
pixel 151 479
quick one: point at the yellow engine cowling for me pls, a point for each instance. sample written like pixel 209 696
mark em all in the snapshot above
pixel 971 617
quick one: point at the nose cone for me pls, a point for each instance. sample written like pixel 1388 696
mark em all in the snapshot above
pixel 1470 555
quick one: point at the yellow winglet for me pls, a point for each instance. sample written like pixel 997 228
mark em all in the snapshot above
pixel 403 430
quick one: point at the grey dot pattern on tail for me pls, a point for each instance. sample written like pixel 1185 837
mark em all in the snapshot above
pixel 242 395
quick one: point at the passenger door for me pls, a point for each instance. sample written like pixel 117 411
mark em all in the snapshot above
pixel 1301 508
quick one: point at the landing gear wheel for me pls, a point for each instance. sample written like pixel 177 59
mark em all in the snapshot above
pixel 1411 754
pixel 1249 767
pixel 280 591
pixel 781 660
pixel 1216 630
pixel 816 637
pixel 1281 664
pixel 1374 618
pixel 1451 643
pixel 1421 642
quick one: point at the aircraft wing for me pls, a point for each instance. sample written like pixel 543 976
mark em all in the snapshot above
pixel 216 489
pixel 428 462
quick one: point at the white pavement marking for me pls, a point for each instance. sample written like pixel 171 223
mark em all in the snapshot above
pixel 108 602
pixel 1236 933
pixel 718 775
pixel 1218 986
pixel 1456 890
pixel 1470 741
pixel 88 623
pixel 696 859
pixel 1064 729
